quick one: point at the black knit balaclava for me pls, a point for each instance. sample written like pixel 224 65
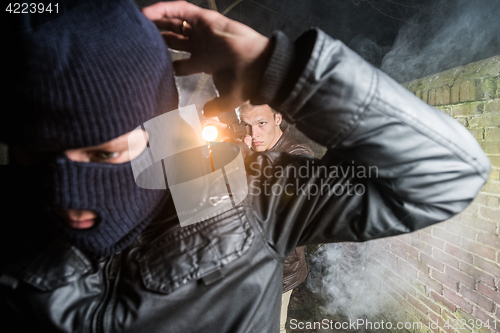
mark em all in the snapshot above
pixel 79 79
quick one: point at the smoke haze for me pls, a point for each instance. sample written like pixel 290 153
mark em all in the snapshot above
pixel 453 33
pixel 343 275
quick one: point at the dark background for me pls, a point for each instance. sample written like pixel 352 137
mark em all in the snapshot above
pixel 406 38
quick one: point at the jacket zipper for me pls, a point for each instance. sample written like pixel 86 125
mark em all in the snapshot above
pixel 109 276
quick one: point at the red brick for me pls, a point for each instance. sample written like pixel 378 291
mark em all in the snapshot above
pixel 378 264
pixel 455 93
pixel 386 258
pixel 484 317
pixel 491 240
pixel 477 133
pixel 440 92
pixel 472 209
pixel 495 160
pixel 491 187
pixel 450 321
pixel 481 199
pixel 479 223
pixel 381 244
pixel 394 282
pixel 489 292
pixel 400 299
pixel 418 244
pixel 445 280
pixel 478 274
pixel 445 235
pixel 493 134
pixel 447 314
pixel 417 304
pixel 410 249
pixel 432 240
pixel 490 267
pixel 431 304
pixel 398 251
pixel 464 121
pixel 390 240
pixel 479 249
pixel 431 283
pixel 459 229
pixel 435 316
pixel 456 219
pixel 431 262
pixel 446 258
pixel 492 214
pixel 445 302
pixel 374 247
pixel 448 329
pixel 484 120
pixel 428 230
pixel 403 265
pixel 477 298
pixel 392 262
pixel 405 238
pixel 436 329
pixel 495 176
pixel 464 93
pixel 490 148
pixel 432 97
pixel 411 272
pixel 457 300
pixel 446 95
pixel 460 324
pixel 461 277
pixel 494 202
pixel 458 253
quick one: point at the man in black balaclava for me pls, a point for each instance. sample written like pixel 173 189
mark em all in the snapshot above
pixel 113 256
pixel 78 84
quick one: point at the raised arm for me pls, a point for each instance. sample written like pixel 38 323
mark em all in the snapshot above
pixel 420 175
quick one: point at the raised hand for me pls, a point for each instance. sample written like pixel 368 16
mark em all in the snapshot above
pixel 233 53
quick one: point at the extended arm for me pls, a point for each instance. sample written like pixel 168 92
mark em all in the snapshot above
pixel 409 169
pixel 420 175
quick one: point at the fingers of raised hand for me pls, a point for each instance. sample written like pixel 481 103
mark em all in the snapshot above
pixel 176 42
pixel 248 141
pixel 176 26
pixel 173 9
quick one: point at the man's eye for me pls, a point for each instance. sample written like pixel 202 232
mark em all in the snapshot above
pixel 246 125
pixel 262 123
pixel 105 155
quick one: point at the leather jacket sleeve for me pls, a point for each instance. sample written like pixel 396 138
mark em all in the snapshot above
pixel 426 167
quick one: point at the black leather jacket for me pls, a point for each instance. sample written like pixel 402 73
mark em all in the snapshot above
pixel 294 266
pixel 224 275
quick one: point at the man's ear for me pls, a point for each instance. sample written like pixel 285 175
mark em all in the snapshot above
pixel 278 117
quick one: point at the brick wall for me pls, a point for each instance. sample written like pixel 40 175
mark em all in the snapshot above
pixel 451 270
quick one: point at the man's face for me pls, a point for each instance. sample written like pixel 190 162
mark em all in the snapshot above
pixel 263 125
pixel 119 150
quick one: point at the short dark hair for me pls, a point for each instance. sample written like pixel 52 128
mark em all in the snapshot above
pixel 247 106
